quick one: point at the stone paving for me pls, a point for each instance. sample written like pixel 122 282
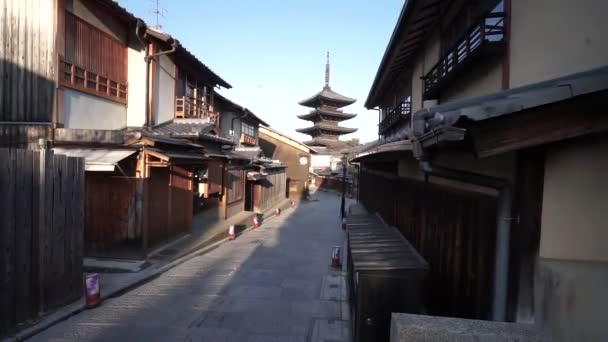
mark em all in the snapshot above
pixel 270 284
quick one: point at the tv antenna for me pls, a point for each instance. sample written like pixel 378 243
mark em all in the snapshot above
pixel 159 12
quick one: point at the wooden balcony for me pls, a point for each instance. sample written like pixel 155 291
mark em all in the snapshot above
pixel 78 78
pixel 194 107
pixel 401 112
pixel 485 38
pixel 248 139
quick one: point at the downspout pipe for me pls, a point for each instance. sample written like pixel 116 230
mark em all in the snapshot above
pixel 503 227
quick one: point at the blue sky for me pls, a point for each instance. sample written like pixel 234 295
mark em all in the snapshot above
pixel 272 52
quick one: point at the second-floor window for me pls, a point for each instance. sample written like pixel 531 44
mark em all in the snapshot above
pixel 93 61
pixel 248 129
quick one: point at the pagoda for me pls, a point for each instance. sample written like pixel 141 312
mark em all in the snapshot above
pixel 325 115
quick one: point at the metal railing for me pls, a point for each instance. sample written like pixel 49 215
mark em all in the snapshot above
pixel 400 112
pixel 488 30
pixel 194 107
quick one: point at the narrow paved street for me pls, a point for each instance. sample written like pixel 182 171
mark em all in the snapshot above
pixel 270 284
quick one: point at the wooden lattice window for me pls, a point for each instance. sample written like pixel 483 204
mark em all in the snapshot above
pixel 235 185
pixel 93 61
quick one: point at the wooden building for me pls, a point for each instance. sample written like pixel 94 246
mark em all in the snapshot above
pixel 131 100
pixel 488 117
pixel 294 154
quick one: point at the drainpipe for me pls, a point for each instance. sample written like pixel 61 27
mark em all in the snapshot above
pixel 148 59
pixel 232 122
pixel 503 227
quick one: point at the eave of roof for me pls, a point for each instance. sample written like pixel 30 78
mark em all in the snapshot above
pixel 515 100
pixel 395 146
pixel 241 108
pixel 398 37
pixel 317 113
pixel 332 128
pixel 284 136
pixel 186 54
pixel 327 94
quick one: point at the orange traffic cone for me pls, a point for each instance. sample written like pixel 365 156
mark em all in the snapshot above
pixel 277 212
pixel 293 204
pixel 256 221
pixel 231 234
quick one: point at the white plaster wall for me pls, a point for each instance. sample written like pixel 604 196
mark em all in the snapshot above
pixel 552 38
pixel 164 109
pixel 136 109
pixel 575 202
pixel 226 122
pixel 480 79
pixel 91 112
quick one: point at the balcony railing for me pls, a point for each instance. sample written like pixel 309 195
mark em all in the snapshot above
pixel 76 77
pixel 194 107
pixel 486 36
pixel 400 112
pixel 248 139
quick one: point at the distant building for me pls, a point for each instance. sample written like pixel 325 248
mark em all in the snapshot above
pixel 294 154
pixel 325 115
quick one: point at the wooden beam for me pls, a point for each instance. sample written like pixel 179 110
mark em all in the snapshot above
pixel 559 121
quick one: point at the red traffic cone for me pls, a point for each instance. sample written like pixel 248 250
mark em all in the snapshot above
pixel 344 224
pixel 335 257
pixel 231 234
pixel 277 212
pixel 293 204
pixel 256 221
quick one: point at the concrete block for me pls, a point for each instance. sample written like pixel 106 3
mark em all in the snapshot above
pixel 419 328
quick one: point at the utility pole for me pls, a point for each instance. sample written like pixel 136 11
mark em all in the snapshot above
pixel 344 161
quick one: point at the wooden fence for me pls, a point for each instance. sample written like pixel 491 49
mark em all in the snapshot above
pixel 455 231
pixel 41 233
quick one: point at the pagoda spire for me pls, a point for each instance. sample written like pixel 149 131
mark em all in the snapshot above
pixel 327 71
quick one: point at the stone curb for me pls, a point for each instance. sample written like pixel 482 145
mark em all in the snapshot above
pixel 72 309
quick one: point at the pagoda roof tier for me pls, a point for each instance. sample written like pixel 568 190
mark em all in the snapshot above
pixel 327 96
pixel 338 115
pixel 323 127
pixel 331 143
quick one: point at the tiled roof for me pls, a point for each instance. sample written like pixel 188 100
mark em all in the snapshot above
pixel 322 126
pixel 190 128
pixel 315 113
pixel 327 94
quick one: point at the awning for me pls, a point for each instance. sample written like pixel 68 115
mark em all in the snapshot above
pixel 178 157
pixel 96 159
pixel 395 146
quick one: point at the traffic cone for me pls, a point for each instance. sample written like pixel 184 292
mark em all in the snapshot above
pixel 231 234
pixel 256 221
pixel 335 257
pixel 344 224
pixel 277 212
pixel 293 204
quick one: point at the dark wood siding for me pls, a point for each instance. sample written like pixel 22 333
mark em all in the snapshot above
pixel 41 206
pixel 454 231
pixel 94 50
pixel 27 62
pixel 109 213
pixel 181 201
pixel 270 191
pixel 158 190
